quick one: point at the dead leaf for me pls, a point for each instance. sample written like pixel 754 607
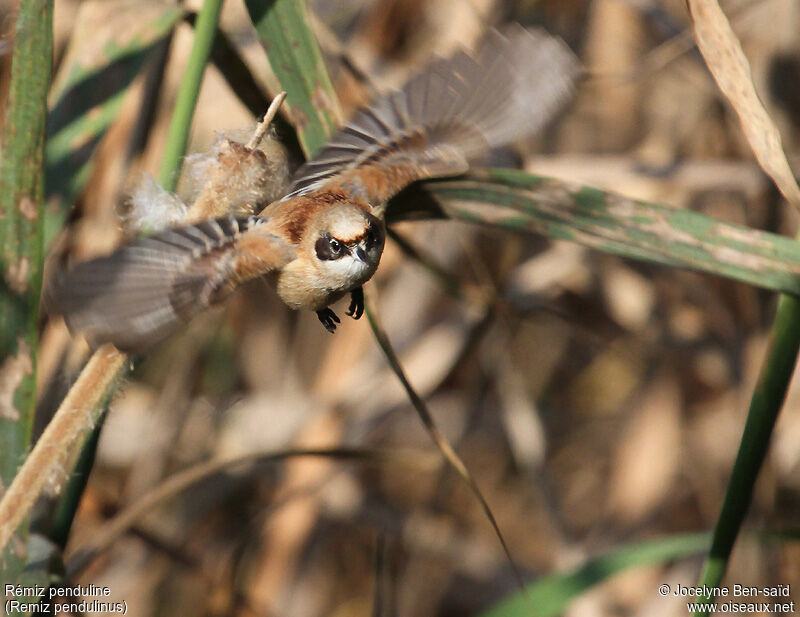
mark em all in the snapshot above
pixel 729 66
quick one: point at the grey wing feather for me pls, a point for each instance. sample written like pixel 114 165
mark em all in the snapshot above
pixel 507 90
pixel 145 290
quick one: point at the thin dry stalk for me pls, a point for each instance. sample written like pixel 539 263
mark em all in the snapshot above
pixel 191 476
pixel 75 415
pixel 438 438
pixel 729 66
pixel 262 127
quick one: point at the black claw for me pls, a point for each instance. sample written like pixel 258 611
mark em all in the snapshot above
pixel 328 319
pixel 356 309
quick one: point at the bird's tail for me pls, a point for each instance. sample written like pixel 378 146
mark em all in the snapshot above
pixel 454 110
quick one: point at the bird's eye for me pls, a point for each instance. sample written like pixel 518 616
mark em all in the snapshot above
pixel 328 248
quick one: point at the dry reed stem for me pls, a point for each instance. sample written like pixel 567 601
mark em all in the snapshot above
pixel 75 415
pixel 726 61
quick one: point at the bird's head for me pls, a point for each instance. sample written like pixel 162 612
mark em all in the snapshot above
pixel 347 244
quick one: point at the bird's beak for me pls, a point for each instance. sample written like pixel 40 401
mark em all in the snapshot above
pixel 361 254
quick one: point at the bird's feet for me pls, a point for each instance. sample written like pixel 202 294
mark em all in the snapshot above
pixel 356 309
pixel 328 319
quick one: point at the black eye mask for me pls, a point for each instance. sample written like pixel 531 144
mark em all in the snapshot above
pixel 329 249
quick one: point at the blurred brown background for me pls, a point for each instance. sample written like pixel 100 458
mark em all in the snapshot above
pixel 597 401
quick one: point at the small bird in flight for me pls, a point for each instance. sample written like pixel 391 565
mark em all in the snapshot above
pixel 325 237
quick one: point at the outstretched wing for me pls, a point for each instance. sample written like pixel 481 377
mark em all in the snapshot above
pixel 454 110
pixel 145 290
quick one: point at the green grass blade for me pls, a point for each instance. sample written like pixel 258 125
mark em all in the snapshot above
pixel 765 405
pixel 178 136
pixel 518 201
pixel 87 100
pixel 551 594
pixel 21 221
pixel 284 31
